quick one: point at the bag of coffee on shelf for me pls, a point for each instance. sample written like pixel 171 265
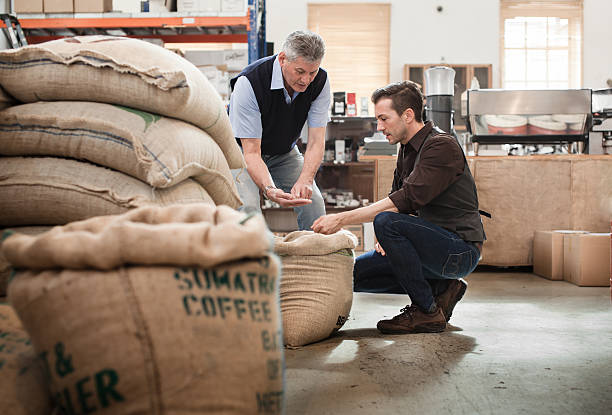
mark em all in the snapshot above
pixel 157 150
pixel 123 71
pixel 56 191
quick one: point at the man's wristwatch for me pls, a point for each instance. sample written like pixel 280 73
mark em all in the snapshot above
pixel 265 191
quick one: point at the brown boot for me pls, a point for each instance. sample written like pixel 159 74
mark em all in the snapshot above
pixel 449 298
pixel 413 320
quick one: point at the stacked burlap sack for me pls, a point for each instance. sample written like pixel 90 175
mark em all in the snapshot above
pixel 23 386
pixel 107 124
pixel 161 310
pixel 316 289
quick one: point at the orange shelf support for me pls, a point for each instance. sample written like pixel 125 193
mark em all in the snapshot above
pixel 114 22
pixel 195 38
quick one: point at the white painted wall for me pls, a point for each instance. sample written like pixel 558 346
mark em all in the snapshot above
pixel 597 54
pixel 466 31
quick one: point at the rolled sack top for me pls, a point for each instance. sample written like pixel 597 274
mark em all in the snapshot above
pixel 185 235
pixel 311 243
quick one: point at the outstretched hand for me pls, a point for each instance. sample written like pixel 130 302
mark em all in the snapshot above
pixel 286 199
pixel 327 224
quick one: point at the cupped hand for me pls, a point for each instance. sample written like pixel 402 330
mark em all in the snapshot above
pixel 302 190
pixel 286 199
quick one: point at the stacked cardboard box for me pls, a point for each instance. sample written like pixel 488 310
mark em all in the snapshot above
pixel 28 6
pixel 548 253
pixel 58 6
pixel 93 6
pixel 580 257
pixel 586 259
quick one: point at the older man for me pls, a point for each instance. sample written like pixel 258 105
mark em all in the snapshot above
pixel 272 99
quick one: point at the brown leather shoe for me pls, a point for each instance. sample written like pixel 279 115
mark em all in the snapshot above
pixel 413 320
pixel 449 298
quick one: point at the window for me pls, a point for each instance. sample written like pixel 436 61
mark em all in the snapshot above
pixel 541 44
pixel 356 39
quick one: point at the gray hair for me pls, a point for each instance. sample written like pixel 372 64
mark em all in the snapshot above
pixel 304 44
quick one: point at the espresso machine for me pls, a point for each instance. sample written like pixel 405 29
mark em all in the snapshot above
pixel 600 135
pixel 530 117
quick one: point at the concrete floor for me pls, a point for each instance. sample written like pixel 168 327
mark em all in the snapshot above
pixel 518 344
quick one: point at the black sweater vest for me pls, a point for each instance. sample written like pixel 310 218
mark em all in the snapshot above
pixel 456 208
pixel 282 123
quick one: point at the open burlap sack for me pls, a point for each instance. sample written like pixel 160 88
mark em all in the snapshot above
pixel 316 290
pixel 158 150
pixel 156 339
pixel 187 235
pixel 119 70
pixel 5 266
pixel 56 191
pixel 24 388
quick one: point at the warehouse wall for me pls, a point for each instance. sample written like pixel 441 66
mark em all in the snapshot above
pixel 469 33
pixel 597 43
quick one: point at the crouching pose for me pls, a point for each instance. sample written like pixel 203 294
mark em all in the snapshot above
pixel 428 229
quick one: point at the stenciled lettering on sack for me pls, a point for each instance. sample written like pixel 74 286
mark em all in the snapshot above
pixel 271 340
pixel 89 393
pixel 269 402
pixel 10 341
pixel 217 279
pixel 224 307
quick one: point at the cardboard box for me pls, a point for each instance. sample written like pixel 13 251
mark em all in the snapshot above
pixel 28 6
pixel 126 6
pixel 586 259
pixel 93 6
pixel 548 253
pixel 58 6
pixel 218 79
pixel 230 59
pixel 357 230
pixel 234 6
pixel 207 6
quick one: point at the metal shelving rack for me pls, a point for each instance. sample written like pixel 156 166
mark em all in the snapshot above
pixel 170 27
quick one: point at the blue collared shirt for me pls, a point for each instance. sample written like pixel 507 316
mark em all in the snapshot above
pixel 244 111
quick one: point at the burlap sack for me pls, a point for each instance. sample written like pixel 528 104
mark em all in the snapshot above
pixel 119 70
pixel 316 288
pixel 188 235
pixel 24 389
pixel 5 100
pixel 55 191
pixel 5 266
pixel 158 339
pixel 158 150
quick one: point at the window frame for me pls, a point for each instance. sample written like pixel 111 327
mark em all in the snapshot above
pixel 572 10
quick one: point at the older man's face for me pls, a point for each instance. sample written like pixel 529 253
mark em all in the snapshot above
pixel 297 74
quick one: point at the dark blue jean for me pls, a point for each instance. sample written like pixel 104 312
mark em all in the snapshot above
pixel 420 258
